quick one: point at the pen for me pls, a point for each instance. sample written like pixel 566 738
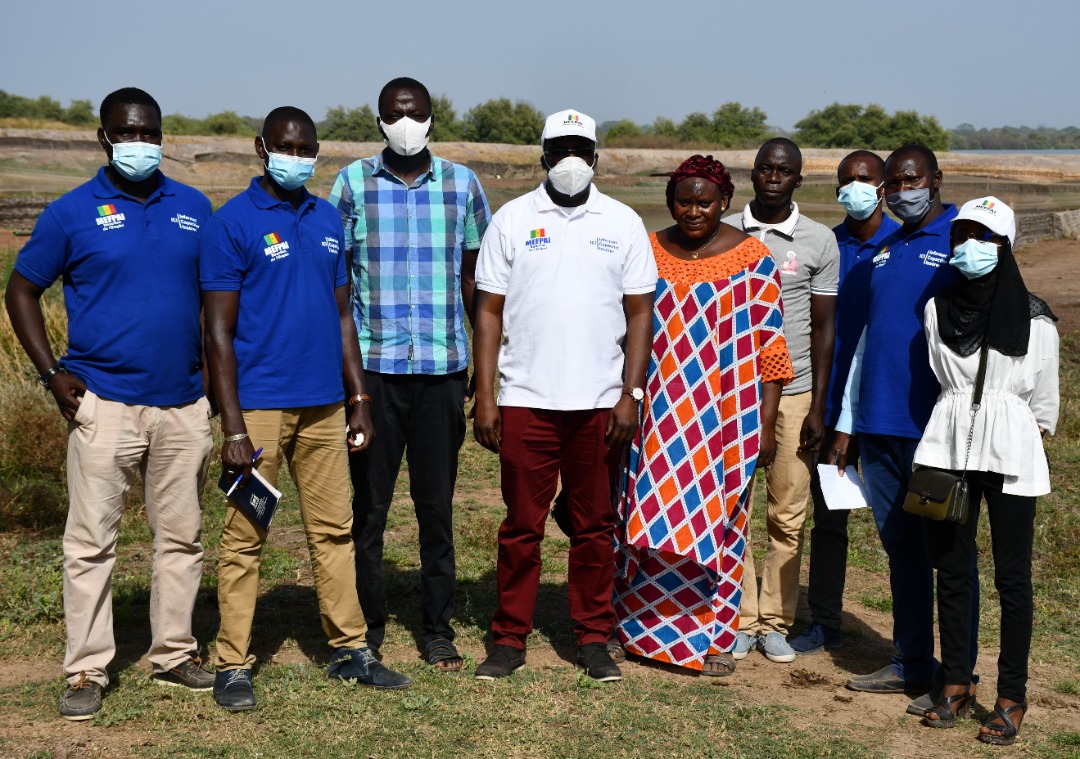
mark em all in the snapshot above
pixel 253 460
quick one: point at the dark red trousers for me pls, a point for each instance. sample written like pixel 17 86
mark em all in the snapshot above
pixel 538 447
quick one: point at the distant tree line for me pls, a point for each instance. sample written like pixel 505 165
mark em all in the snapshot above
pixel 518 123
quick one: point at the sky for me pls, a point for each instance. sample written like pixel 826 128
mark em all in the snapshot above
pixel 987 62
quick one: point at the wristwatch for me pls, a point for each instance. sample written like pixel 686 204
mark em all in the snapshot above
pixel 637 393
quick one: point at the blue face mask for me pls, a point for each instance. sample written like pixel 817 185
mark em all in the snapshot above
pixel 289 171
pixel 974 258
pixel 135 160
pixel 859 199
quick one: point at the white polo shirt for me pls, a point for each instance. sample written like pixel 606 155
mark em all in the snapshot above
pixel 564 272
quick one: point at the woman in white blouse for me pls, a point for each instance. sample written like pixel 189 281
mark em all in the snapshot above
pixel 1006 466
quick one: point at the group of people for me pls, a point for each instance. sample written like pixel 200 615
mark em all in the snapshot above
pixel 650 375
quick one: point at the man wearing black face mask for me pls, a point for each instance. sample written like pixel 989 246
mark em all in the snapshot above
pixel 413 224
pixel 130 387
pixel 565 284
pixel 888 401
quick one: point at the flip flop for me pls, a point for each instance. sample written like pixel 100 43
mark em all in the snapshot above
pixel 441 654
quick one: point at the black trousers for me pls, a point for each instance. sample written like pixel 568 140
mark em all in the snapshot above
pixel 422 417
pixel 952 547
pixel 828 556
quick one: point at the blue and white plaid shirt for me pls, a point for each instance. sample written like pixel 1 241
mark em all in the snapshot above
pixel 406 244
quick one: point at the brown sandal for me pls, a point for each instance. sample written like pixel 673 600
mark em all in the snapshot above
pixel 718 665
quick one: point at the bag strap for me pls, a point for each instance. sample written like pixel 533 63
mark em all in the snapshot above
pixel 976 399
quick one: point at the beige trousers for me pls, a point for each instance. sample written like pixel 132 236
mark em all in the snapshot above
pixel 787 482
pixel 107 443
pixel 312 441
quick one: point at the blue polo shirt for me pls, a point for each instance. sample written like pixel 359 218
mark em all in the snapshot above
pixel 898 388
pixel 851 303
pixel 131 287
pixel 286 264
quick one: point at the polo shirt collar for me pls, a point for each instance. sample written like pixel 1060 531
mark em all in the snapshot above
pixel 543 202
pixel 786 227
pixel 103 188
pixel 434 172
pixel 264 200
pixel 843 234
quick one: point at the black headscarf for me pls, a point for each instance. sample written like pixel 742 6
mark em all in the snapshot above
pixel 996 305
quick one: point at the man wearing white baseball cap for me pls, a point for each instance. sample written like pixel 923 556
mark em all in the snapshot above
pixel 564 291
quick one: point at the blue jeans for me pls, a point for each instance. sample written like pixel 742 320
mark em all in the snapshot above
pixel 886 468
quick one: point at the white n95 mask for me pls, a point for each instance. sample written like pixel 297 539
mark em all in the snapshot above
pixel 571 175
pixel 405 136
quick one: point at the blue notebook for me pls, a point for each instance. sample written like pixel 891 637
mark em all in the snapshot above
pixel 257 498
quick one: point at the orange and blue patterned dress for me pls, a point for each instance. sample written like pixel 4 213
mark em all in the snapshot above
pixel 718 334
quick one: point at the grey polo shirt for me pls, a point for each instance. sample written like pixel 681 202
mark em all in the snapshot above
pixel 808 259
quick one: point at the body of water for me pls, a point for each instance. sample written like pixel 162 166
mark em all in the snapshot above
pixel 1024 152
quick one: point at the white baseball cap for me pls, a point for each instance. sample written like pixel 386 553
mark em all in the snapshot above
pixel 568 123
pixel 992 214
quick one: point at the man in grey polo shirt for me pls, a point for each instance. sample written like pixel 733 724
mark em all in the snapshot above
pixel 808 259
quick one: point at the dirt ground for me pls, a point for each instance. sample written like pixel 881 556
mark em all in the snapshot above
pixel 812 686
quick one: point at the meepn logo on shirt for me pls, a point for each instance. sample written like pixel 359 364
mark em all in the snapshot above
pixel 538 240
pixel 108 218
pixel 275 247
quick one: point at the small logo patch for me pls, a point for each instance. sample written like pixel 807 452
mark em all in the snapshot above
pixel 275 247
pixel 108 218
pixel 331 245
pixel 538 240
pixel 605 245
pixel 790 265
pixel 185 222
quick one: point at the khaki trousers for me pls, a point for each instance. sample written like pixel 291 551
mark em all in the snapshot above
pixel 788 485
pixel 312 440
pixel 107 443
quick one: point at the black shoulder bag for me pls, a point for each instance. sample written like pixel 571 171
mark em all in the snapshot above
pixel 942 494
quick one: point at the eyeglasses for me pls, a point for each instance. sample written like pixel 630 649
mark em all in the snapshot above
pixel 982 235
pixel 556 155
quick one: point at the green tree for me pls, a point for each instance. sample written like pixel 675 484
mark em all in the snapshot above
pixel 350 125
pixel 908 127
pixel 835 126
pixel 735 126
pixel 696 129
pixel 80 113
pixel 499 120
pixel 874 128
pixel 227 123
pixel 621 132
pixel 664 127
pixel 447 126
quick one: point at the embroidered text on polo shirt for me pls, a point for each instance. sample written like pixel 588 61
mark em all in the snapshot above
pixel 331 245
pixel 934 258
pixel 605 245
pixel 108 218
pixel 276 247
pixel 185 222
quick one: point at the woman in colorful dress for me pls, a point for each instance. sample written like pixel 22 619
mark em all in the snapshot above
pixel 719 361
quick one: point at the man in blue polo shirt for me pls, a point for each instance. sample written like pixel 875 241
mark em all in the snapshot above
pixel 413 224
pixel 127 246
pixel 283 352
pixel 890 393
pixel 859 189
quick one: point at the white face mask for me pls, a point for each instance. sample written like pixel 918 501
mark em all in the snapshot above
pixel 571 176
pixel 405 136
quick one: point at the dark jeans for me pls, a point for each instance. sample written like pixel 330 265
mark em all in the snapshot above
pixel 828 556
pixel 423 417
pixel 1012 528
pixel 886 468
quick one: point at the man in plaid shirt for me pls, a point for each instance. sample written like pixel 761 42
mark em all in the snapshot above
pixel 413 224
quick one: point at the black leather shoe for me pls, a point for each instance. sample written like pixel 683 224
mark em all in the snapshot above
pixel 233 691
pixel 503 661
pixel 358 665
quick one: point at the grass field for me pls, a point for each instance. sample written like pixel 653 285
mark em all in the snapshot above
pixel 546 710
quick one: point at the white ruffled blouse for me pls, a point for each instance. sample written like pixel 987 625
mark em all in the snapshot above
pixel 1020 397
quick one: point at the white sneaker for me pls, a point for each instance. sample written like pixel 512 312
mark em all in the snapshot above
pixel 775 647
pixel 744 644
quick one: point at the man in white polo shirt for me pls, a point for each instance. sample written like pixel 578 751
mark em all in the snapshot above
pixel 564 291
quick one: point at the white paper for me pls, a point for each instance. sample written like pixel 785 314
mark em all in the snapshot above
pixel 842 493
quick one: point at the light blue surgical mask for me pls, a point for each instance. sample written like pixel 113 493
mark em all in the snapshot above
pixel 909 205
pixel 135 160
pixel 974 258
pixel 289 171
pixel 859 199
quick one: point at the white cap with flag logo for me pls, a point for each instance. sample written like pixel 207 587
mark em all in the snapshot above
pixel 568 123
pixel 992 214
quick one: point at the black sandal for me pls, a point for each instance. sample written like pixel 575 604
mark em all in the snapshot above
pixel 441 654
pixel 1000 720
pixel 943 709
